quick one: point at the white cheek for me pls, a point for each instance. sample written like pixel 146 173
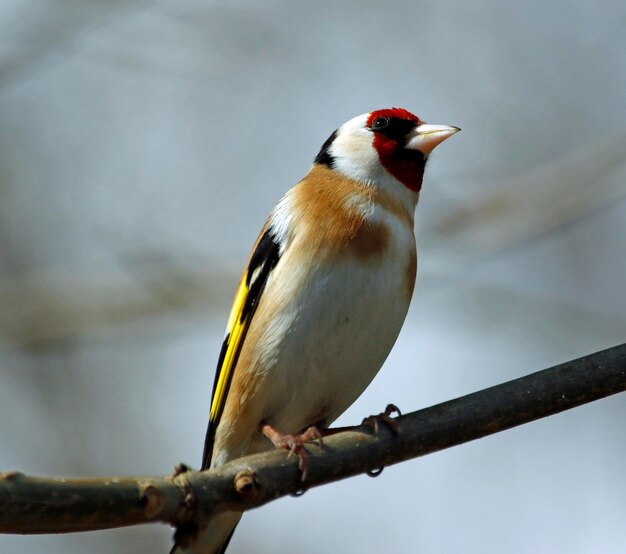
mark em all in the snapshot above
pixel 355 156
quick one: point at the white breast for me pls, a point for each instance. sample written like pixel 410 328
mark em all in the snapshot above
pixel 330 339
pixel 329 314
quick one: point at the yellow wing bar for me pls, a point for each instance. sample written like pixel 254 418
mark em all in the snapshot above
pixel 263 259
pixel 235 332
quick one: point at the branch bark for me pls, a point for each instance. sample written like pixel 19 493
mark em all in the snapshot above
pixel 32 505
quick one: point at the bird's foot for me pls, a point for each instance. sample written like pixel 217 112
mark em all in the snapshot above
pixel 180 468
pixel 294 443
pixel 374 421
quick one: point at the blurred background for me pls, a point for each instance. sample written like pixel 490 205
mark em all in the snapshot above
pixel 142 145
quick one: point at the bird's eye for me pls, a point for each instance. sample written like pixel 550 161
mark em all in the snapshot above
pixel 380 123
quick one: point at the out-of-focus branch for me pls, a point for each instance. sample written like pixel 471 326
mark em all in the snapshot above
pixel 39 309
pixel 541 199
pixel 37 505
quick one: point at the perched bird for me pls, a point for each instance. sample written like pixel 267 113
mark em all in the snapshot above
pixel 323 297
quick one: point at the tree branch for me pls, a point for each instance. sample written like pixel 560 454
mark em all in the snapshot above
pixel 38 505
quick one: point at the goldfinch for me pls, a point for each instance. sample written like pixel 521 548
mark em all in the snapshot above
pixel 322 299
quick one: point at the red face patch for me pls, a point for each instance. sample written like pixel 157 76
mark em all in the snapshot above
pixel 391 127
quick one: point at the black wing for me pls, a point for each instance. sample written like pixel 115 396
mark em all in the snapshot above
pixel 263 260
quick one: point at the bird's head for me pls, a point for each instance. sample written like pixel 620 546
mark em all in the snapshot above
pixel 391 142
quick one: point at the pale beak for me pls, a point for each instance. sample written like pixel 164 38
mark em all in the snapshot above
pixel 425 137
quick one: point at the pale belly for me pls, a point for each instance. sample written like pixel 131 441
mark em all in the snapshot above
pixel 327 336
pixel 332 343
pixel 337 344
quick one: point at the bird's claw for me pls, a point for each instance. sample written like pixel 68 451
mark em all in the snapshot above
pixel 179 469
pixel 384 417
pixel 294 443
pixel 374 472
